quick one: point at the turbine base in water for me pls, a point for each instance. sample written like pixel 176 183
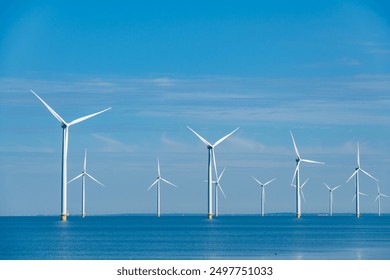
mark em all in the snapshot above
pixel 298 216
pixel 210 216
pixel 82 215
pixel 358 216
pixel 63 217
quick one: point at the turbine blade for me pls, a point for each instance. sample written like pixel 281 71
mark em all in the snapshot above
pixel 257 181
pixel 303 196
pixel 223 193
pixel 335 188
pixel 369 175
pixel 158 167
pixel 327 186
pixel 162 179
pixel 85 161
pixel 295 172
pixel 353 174
pixel 215 164
pixel 384 195
pixel 363 194
pixel 220 175
pixel 155 182
pixel 75 178
pixel 377 197
pixel 87 117
pixel 304 183
pixel 354 196
pixel 90 176
pixel 200 137
pixel 270 181
pixel 312 161
pixel 226 136
pixel 54 113
pixel 295 145
pixel 358 155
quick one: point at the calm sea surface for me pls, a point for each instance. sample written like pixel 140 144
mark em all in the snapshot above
pixel 195 237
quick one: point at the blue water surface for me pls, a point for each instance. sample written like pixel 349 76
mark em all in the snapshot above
pixel 195 237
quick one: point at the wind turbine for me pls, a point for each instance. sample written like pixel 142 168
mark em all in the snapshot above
pixel 211 155
pixel 357 182
pixel 263 192
pixel 331 190
pixel 65 134
pixel 301 188
pixel 297 176
pixel 378 197
pixel 158 180
pixel 83 174
pixel 217 188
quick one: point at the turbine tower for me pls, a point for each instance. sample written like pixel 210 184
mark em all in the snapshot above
pixel 378 197
pixel 211 155
pixel 83 174
pixel 158 180
pixel 263 192
pixel 331 190
pixel 297 176
pixel 357 182
pixel 65 134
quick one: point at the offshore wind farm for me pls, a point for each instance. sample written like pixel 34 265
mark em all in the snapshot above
pixel 234 93
pixel 211 166
pixel 329 113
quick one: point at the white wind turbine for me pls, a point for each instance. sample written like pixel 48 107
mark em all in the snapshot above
pixel 83 174
pixel 331 190
pixel 357 182
pixel 301 188
pixel 297 176
pixel 65 134
pixel 217 185
pixel 217 189
pixel 211 155
pixel 158 180
pixel 263 192
pixel 378 197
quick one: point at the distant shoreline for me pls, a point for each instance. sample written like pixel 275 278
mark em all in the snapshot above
pixel 202 214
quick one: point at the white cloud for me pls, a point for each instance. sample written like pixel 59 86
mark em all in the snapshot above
pixel 114 146
pixel 26 149
pixel 341 100
pixel 174 144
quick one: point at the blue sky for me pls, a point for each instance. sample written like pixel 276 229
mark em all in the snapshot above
pixel 320 69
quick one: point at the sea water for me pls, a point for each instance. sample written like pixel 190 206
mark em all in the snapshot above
pixel 188 237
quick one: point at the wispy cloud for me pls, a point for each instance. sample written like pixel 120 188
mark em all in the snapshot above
pixel 114 146
pixel 174 144
pixel 26 149
pixel 360 99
